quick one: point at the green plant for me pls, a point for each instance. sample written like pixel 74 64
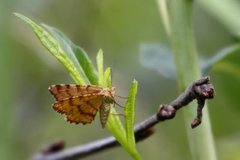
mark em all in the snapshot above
pixel 181 64
pixel 81 69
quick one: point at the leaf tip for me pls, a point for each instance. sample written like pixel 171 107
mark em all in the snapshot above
pixel 135 82
pixel 100 53
pixel 18 15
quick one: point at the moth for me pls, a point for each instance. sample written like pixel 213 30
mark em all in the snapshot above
pixel 80 104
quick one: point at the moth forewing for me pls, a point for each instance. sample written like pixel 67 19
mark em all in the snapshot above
pixel 64 91
pixel 80 104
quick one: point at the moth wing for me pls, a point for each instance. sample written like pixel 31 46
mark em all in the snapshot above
pixel 64 91
pixel 79 109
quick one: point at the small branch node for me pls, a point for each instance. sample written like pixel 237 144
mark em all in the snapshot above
pixel 202 81
pixel 166 112
pixel 204 91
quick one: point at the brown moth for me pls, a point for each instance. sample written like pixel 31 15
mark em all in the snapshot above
pixel 80 104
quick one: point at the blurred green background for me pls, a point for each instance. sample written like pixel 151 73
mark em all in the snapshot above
pixel 27 121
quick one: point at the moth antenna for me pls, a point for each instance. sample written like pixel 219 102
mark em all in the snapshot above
pixel 118 114
pixel 121 97
pixel 119 105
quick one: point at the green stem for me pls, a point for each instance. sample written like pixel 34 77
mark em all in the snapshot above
pixel 187 68
pixel 226 12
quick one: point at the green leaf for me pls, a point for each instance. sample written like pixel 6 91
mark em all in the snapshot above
pixel 107 77
pixel 100 68
pixel 78 56
pixel 53 46
pixel 114 124
pixel 130 116
pixel 130 113
pixel 86 64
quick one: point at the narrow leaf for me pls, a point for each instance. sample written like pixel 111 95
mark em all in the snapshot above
pixel 86 64
pixel 130 113
pixel 114 123
pixel 107 77
pixel 76 54
pixel 100 68
pixel 53 46
pixel 129 119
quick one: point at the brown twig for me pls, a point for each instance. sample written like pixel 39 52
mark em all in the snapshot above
pixel 200 90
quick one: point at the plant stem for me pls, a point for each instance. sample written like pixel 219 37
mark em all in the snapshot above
pixel 187 68
pixel 226 12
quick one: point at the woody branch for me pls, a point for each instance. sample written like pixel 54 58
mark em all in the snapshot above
pixel 200 90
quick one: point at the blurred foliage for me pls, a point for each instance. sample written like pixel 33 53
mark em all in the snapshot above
pixel 27 120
